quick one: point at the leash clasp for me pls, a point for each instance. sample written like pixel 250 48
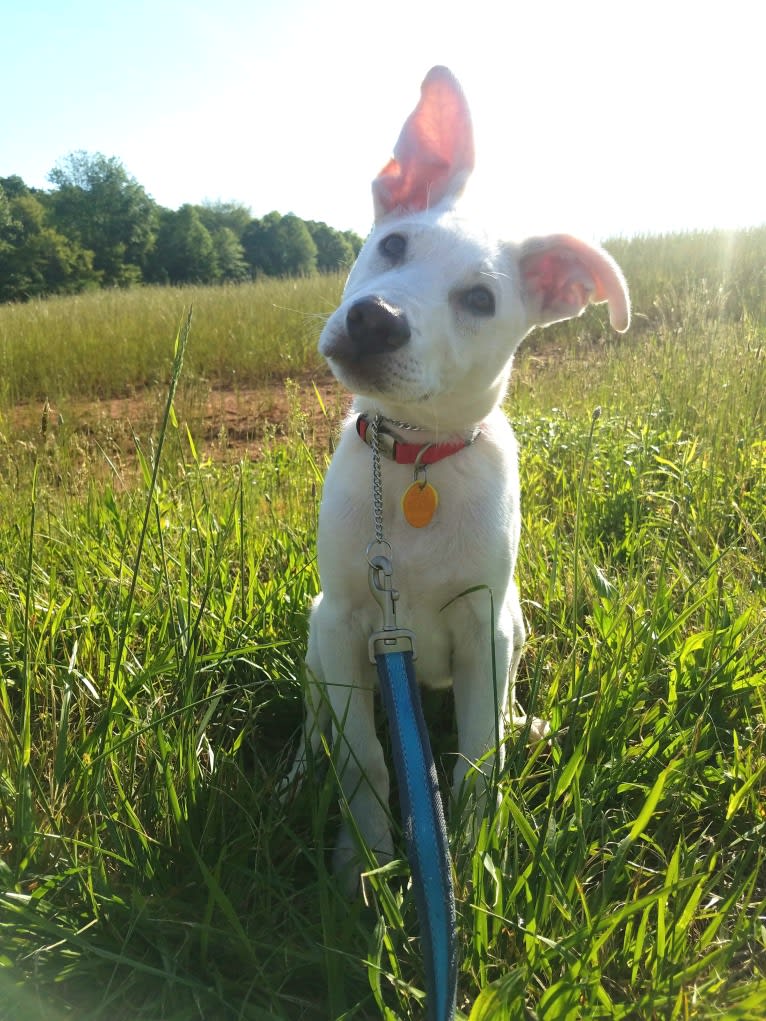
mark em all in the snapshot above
pixel 389 638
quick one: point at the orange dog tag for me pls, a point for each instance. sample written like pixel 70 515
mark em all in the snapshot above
pixel 419 504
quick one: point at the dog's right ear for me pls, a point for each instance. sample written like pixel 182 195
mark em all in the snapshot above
pixel 434 155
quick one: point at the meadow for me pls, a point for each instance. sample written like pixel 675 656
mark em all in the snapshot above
pixel 153 597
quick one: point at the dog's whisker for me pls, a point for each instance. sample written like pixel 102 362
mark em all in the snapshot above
pixel 321 316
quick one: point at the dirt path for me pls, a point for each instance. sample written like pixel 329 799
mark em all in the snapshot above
pixel 225 424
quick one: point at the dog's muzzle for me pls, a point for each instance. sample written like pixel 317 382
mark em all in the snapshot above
pixel 373 327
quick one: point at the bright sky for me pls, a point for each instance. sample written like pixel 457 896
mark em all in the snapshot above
pixel 600 116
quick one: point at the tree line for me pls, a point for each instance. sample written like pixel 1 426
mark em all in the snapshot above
pixel 97 227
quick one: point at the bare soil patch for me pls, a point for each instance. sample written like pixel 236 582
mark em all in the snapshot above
pixel 225 424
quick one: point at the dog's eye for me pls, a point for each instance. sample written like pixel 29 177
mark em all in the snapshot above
pixel 479 300
pixel 393 247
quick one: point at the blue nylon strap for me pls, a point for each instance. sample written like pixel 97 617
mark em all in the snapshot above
pixel 424 830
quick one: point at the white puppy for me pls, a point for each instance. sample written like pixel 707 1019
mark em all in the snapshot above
pixel 431 315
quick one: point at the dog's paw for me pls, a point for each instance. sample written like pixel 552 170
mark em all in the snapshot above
pixel 350 864
pixel 539 730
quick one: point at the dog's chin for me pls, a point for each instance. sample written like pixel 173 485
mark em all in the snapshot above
pixel 375 377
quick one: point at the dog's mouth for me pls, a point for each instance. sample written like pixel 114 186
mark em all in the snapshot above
pixel 378 375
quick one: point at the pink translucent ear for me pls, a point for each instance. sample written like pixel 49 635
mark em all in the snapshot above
pixel 561 275
pixel 434 154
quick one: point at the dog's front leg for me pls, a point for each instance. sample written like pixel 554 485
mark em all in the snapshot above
pixel 357 752
pixel 480 706
pixel 485 700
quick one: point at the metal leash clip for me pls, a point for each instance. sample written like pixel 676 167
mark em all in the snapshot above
pixel 389 638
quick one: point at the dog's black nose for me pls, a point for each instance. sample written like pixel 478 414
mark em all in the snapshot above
pixel 375 327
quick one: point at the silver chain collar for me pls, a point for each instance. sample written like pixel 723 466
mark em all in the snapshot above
pixel 404 425
pixel 377 482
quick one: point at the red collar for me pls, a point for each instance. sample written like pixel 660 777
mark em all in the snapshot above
pixel 409 453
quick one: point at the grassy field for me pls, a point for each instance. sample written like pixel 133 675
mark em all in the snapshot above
pixel 152 627
pixel 109 343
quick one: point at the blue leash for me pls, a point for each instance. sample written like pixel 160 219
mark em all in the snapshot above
pixel 392 650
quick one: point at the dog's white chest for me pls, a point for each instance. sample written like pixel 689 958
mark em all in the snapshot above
pixel 470 544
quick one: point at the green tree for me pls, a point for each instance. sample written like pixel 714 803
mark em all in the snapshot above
pixel 13 186
pixel 280 246
pixel 295 246
pixel 35 259
pixel 256 242
pixel 5 211
pixel 334 250
pixel 230 256
pixel 354 240
pixel 7 231
pixel 216 215
pixel 99 205
pixel 184 251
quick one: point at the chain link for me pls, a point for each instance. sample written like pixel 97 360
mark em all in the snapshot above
pixel 377 482
pixel 405 425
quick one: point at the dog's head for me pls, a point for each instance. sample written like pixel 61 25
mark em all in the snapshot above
pixel 434 308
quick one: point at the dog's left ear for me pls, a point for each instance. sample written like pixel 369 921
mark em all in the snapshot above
pixel 561 275
pixel 434 154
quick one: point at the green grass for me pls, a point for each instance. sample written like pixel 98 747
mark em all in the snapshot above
pixel 110 343
pixel 151 636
